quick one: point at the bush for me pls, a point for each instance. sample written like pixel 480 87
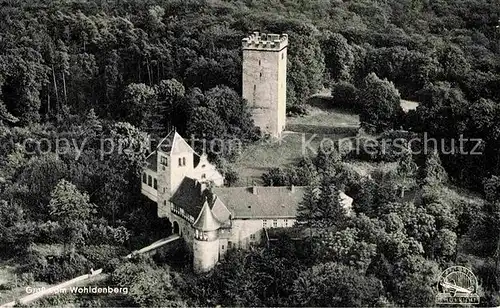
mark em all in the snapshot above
pixel 297 110
pixel 101 234
pixel 100 256
pixel 59 268
pixel 345 96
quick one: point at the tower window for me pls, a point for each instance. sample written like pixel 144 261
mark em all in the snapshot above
pixel 155 184
pixel 282 56
pixel 150 180
pixel 203 176
pixel 144 178
pixel 261 75
pixel 260 62
pixel 180 162
pixel 184 161
pixel 164 202
pixel 164 161
pixel 254 87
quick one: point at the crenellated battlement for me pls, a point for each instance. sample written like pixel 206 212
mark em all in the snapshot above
pixel 263 41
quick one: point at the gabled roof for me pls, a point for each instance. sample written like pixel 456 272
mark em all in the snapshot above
pixel 220 211
pixel 189 196
pixel 174 144
pixel 152 162
pixel 206 221
pixel 261 202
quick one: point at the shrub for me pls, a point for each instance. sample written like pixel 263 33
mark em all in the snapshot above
pixel 59 268
pixel 345 96
pixel 297 110
pixel 101 234
pixel 101 255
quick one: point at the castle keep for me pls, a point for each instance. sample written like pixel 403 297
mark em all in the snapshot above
pixel 264 80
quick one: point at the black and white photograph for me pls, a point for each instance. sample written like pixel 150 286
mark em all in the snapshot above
pixel 249 153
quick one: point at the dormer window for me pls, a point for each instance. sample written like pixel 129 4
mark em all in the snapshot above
pixel 164 161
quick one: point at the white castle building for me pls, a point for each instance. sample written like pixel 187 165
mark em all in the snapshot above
pixel 211 221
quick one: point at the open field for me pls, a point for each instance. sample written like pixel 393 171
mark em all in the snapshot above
pixel 303 135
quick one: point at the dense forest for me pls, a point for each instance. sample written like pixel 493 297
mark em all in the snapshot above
pixel 123 70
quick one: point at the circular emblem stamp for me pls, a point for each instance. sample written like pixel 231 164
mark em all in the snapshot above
pixel 457 285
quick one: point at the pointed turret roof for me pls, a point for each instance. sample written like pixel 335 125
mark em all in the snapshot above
pixel 174 144
pixel 206 221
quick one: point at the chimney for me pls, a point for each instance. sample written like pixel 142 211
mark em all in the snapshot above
pixel 292 188
pixel 254 190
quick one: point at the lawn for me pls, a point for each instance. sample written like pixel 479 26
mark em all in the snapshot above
pixel 302 138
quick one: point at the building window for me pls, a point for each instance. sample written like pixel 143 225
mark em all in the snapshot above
pixel 164 202
pixel 164 161
pixel 144 178
pixel 155 184
pixel 260 62
pixel 150 180
pixel 255 87
pixel 229 245
pixel 286 222
pixel 261 75
pixel 264 223
pixel 252 237
pixel 180 161
pixel 275 223
pixel 184 161
pixel 282 56
pixel 203 176
pixel 222 247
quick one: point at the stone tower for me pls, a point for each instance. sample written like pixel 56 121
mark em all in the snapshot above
pixel 264 80
pixel 174 161
pixel 206 240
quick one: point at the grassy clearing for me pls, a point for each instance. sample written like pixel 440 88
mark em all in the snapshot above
pixel 331 118
pixel 303 133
